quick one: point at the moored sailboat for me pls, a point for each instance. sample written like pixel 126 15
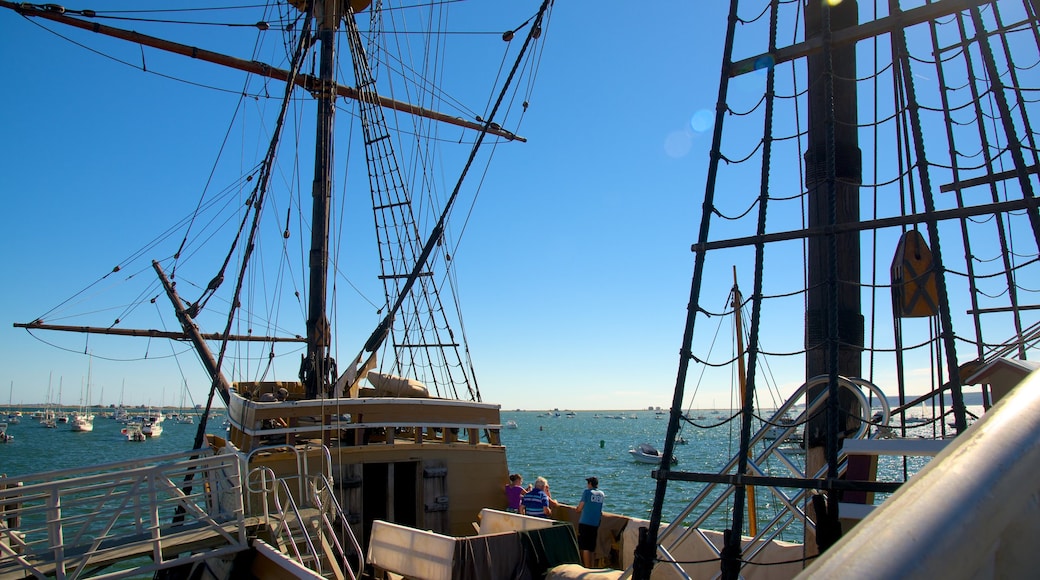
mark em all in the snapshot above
pixel 82 421
pixel 13 417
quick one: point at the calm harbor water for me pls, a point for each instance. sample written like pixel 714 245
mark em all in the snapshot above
pixel 567 449
pixel 564 449
pixel 36 448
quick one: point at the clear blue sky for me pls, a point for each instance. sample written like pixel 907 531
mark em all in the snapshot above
pixel 580 254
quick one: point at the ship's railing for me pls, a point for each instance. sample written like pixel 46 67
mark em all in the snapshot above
pixel 122 519
pixel 333 522
pixel 363 421
pixel 287 514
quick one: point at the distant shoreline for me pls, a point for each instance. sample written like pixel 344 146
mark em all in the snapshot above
pixel 970 400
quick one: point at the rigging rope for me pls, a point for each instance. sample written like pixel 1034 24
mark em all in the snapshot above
pixel 435 237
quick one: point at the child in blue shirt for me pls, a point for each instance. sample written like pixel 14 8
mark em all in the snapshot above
pixel 590 510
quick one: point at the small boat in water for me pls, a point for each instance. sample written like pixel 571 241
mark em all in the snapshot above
pixel 133 432
pixel 13 417
pixel 4 437
pixel 152 426
pixel 646 453
pixel 82 422
pixel 48 419
pixel 785 428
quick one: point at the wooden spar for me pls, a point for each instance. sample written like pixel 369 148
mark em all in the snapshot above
pixel 196 337
pixel 308 82
pixel 813 45
pixel 742 378
pixel 152 333
pixel 1028 204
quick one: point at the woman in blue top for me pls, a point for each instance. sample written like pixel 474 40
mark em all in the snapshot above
pixel 590 508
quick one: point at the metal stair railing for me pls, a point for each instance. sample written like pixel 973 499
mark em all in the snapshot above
pixel 340 516
pixel 331 505
pixel 307 492
pixel 284 514
pixel 286 536
pixel 302 472
pixel 791 511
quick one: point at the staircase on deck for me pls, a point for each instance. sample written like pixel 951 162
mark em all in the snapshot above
pixel 776 445
pixel 138 517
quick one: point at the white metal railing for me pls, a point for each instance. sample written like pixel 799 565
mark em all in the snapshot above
pixel 128 518
pixel 286 535
pixel 284 501
pixel 719 494
pixel 264 478
pixel 327 504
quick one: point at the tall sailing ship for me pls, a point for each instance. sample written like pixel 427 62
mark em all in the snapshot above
pixel 385 422
pixel 872 179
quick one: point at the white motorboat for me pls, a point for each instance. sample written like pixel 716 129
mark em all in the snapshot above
pixel 82 422
pixel 646 453
pixel 133 432
pixel 152 426
pixel 786 428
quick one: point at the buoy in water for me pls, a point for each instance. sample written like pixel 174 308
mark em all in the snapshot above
pixel 601 444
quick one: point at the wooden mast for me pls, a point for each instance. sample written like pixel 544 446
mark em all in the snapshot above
pixel 318 364
pixel 834 320
pixel 742 380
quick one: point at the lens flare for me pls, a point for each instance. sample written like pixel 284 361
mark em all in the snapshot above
pixel 701 120
pixel 677 144
pixel 764 62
